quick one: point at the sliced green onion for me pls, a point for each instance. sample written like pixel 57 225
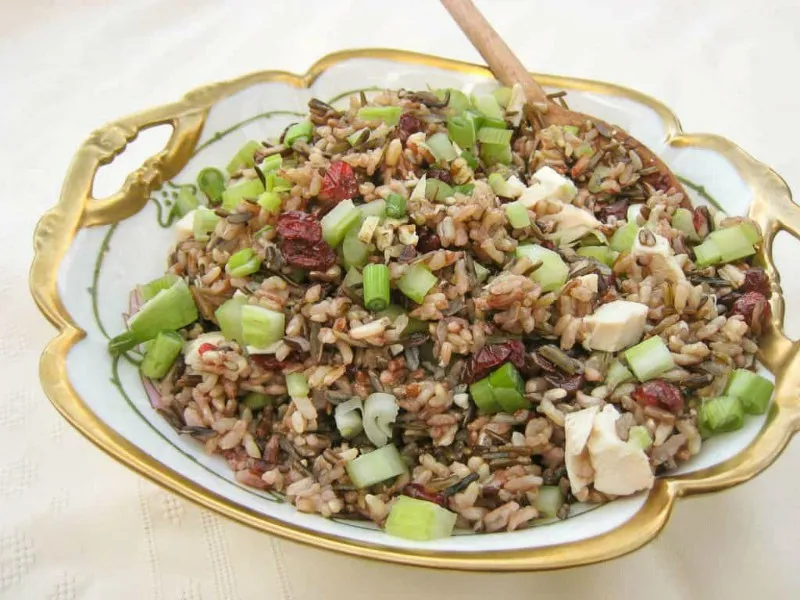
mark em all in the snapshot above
pixel 733 243
pixel 649 359
pixel 481 272
pixel 169 310
pixel 211 182
pixel 683 220
pixel 336 223
pixel 602 254
pixel 380 412
pixel 270 202
pixel 623 238
pixel 752 389
pixel 243 263
pixel 396 206
pixel 243 158
pixel 617 374
pixel 468 156
pixel 441 147
pixel 721 415
pixel 507 376
pixel 483 396
pixel 376 466
pixel 348 418
pixel 487 105
pixel 461 130
pixel 249 188
pixel 707 254
pixel 262 326
pixel 271 163
pixel 420 520
pixel 376 208
pixel 148 290
pixel 549 501
pixel 458 100
pixel 229 317
pixel 552 273
pixel 416 282
pixel 495 154
pixel 299 131
pixel 358 137
pixel 376 287
pixel 161 354
pixel 297 385
pixel 256 400
pixel 510 400
pixel 437 190
pixel 502 95
pixel 388 114
pixel 517 214
pixel 185 202
pixel 496 137
pixel 639 437
pixel 204 222
pixel 466 189
pixel 503 188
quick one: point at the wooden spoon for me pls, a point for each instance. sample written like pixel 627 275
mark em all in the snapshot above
pixel 509 70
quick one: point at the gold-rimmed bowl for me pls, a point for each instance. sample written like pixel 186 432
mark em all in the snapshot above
pixel 108 245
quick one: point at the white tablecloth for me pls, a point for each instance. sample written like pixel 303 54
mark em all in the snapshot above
pixel 75 524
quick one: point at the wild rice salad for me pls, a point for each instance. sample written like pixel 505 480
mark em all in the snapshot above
pixel 431 311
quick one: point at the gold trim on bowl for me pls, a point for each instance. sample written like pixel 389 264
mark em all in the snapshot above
pixel 772 208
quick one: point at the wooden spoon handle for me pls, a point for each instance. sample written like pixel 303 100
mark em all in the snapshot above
pixel 501 60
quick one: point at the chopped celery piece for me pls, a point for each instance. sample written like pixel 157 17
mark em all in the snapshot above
pixel 298 131
pixel 492 123
pixel 602 254
pixel 458 100
pixel 437 190
pixel 750 232
pixel 336 223
pixel 353 280
pixel 510 400
pixel 211 182
pixel 617 374
pixel 549 501
pixel 419 520
pixel 297 385
pixel 594 238
pixel 376 208
pixel 461 130
pixel 634 210
pixel 623 238
pixel 243 158
pixel 502 95
pixel 481 272
pixel 414 325
pixel 169 310
pixel 256 400
pixel 243 263
pixel 276 183
pixel 466 189
pixel 150 289
pixel 376 466
pixel 552 273
pixel 508 388
pixel 584 150
pixel 707 254
pixel 495 154
pixel 395 206
pixel 261 326
pixel 683 220
pixel 507 376
pixel 249 188
pixel 732 243
pixel 229 317
pixel 270 202
pixel 483 396
pixel 487 105
pixel 380 413
pixel 185 202
pixel 649 359
pixel 161 354
pixel 503 188
pixel 571 129
pixel 416 282
pixel 639 437
pixel 495 137
pixel 468 156
pixel 388 114
pixel 517 214
pixel 347 416
pixel 355 253
pixel 441 147
pixel 721 415
pixel 204 222
pixel 752 389
pixel 376 287
pixel 271 163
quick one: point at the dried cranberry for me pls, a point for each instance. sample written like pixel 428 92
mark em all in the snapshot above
pixel 339 183
pixel 297 225
pixel 317 256
pixel 701 219
pixel 547 244
pixel 205 348
pixel 755 280
pixel 661 394
pixel 420 492
pixel 494 355
pixel 270 363
pixel 618 209
pixel 428 241
pixel 755 309
pixel 408 125
pixel 441 175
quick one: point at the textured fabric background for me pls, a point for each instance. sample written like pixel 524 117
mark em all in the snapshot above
pixel 74 524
